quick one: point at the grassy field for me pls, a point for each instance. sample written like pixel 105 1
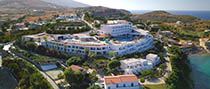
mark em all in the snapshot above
pixel 6 80
pixel 161 86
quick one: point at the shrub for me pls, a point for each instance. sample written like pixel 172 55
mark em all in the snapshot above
pixel 142 80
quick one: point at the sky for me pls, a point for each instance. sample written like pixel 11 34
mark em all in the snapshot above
pixel 151 4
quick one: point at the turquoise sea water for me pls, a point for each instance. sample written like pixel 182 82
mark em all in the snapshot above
pixel 201 71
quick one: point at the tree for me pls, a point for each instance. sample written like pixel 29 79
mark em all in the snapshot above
pixel 86 51
pixel 73 61
pixel 75 79
pixel 114 64
pixel 163 66
pixel 94 87
pixel 31 46
pixel 91 55
pixel 148 73
pixel 113 54
pixel 142 80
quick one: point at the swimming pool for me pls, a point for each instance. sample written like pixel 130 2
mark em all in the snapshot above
pixel 124 39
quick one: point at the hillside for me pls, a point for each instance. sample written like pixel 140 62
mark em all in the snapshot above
pixel 66 3
pixel 26 5
pixel 104 11
pixel 162 16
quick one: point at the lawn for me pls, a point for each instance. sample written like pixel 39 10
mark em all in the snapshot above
pixel 161 86
pixel 6 80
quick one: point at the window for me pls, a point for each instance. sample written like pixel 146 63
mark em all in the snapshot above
pixel 124 85
pixel 109 87
pixel 132 84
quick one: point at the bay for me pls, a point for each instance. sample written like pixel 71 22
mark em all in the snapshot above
pixel 201 71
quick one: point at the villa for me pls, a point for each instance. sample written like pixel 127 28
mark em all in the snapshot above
pixel 122 82
pixel 130 40
pixel 135 66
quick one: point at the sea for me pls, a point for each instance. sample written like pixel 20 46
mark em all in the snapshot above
pixel 200 64
pixel 199 14
pixel 201 71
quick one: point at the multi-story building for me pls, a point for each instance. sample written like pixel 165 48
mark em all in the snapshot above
pixel 137 41
pixel 116 28
pixel 122 82
pixel 77 44
pixel 135 66
pixel 153 58
pixel 129 41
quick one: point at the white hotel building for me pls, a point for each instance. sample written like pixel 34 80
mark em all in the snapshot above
pixel 117 28
pixel 135 66
pixel 126 40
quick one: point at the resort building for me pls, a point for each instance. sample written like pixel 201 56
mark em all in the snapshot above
pixel 135 66
pixel 122 82
pixel 153 58
pixel 129 40
pixel 116 28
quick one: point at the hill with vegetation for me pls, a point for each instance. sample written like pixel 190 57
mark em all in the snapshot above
pixel 104 12
pixel 66 3
pixel 163 16
pixel 26 5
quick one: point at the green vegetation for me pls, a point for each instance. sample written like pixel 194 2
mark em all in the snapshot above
pixel 94 87
pixel 142 80
pixel 91 18
pixel 73 61
pixel 162 16
pixel 33 47
pixel 11 36
pixel 114 64
pixel 78 79
pixel 180 76
pixel 161 86
pixel 35 57
pixel 29 77
pixel 66 28
pixel 74 27
pixel 148 73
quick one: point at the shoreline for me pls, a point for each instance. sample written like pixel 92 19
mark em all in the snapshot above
pixel 199 52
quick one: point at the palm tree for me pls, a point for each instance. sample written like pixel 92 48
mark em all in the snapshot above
pixel 76 51
pixel 113 54
pixel 65 46
pixel 91 55
pixel 86 51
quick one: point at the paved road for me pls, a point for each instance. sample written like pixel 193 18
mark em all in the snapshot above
pixel 54 85
pixel 50 80
pixel 89 24
pixel 168 70
pixel 0 60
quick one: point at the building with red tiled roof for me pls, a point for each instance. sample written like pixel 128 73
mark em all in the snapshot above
pixel 122 82
pixel 78 68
